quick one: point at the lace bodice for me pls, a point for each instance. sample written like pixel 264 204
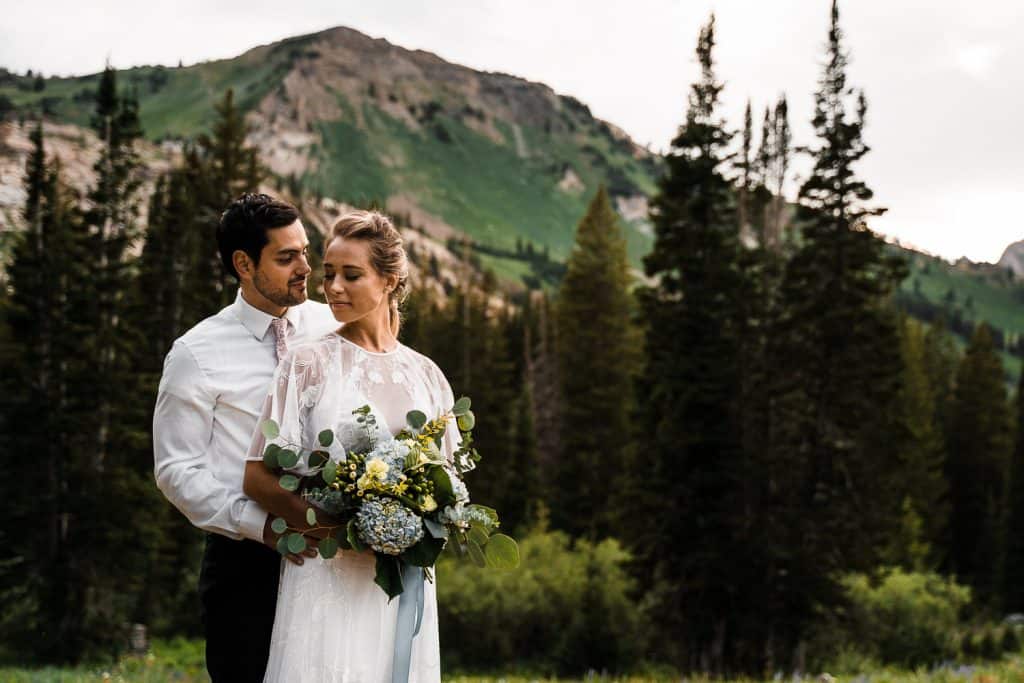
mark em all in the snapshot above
pixel 318 385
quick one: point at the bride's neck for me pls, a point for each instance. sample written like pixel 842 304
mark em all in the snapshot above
pixel 372 335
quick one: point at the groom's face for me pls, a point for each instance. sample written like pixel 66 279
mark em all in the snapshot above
pixel 281 274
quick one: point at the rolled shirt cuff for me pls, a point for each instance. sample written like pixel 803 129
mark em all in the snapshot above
pixel 252 521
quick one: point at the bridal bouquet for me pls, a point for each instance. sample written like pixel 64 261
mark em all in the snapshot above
pixel 400 498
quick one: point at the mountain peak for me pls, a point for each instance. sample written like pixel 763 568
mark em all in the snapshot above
pixel 1013 258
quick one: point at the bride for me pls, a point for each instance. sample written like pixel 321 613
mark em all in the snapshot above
pixel 333 623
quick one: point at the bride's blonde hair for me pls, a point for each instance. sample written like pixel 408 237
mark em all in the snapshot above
pixel 386 253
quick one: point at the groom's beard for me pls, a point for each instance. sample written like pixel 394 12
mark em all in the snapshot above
pixel 293 295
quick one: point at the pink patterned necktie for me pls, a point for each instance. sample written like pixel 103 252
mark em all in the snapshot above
pixel 280 327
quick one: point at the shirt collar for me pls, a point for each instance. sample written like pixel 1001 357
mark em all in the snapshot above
pixel 258 322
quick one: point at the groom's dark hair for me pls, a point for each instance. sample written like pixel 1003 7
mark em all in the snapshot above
pixel 244 225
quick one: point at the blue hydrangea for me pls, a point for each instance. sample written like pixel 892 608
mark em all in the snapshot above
pixel 387 526
pixel 393 453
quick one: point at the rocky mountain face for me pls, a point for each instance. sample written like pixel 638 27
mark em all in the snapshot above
pixel 1013 258
pixel 342 115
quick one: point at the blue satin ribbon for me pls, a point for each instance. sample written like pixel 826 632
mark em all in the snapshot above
pixel 410 617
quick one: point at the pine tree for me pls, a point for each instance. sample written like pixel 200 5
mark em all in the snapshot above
pixel 597 361
pixel 691 441
pixel 1013 573
pixel 978 467
pixel 837 363
pixel 923 488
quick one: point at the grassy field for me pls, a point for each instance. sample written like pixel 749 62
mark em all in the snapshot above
pixel 182 661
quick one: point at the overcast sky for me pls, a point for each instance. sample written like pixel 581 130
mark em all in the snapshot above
pixel 944 78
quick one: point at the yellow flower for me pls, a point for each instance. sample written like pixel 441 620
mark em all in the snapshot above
pixel 429 504
pixel 376 469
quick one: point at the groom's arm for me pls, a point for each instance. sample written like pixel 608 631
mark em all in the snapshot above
pixel 182 432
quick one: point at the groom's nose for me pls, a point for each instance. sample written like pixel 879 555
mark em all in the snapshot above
pixel 304 268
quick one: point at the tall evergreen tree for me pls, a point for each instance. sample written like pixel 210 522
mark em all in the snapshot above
pixel 597 360
pixel 979 455
pixel 688 527
pixel 923 487
pixel 837 356
pixel 1013 574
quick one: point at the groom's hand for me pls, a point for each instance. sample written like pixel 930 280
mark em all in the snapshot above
pixel 270 540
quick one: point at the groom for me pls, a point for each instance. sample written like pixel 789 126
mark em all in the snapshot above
pixel 215 379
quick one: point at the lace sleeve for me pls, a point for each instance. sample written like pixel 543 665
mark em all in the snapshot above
pixel 452 437
pixel 297 386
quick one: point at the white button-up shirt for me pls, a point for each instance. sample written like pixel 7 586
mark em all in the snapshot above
pixel 215 380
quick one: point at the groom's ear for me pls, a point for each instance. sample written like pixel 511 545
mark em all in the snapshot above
pixel 243 264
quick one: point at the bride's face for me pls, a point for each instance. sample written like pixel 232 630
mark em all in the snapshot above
pixel 353 287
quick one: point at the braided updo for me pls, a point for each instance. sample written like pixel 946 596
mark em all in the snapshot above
pixel 386 252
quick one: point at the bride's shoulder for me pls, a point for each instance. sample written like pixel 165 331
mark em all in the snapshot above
pixel 425 362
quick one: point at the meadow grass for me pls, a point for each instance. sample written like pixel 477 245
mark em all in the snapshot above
pixel 181 660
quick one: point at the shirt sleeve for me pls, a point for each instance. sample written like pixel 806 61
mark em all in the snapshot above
pixel 182 433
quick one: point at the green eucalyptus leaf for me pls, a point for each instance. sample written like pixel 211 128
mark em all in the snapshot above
pixel 329 472
pixel 287 458
pixel 502 552
pixel 476 553
pixel 328 547
pixel 318 458
pixel 478 536
pixel 461 406
pixel 353 536
pixel 270 459
pixel 310 516
pixel 282 545
pixel 326 438
pixel 416 419
pixel 296 543
pixel 289 482
pixel 466 421
pixel 279 525
pixel 270 429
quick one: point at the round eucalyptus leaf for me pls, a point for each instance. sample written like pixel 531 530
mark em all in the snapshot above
pixel 289 482
pixel 467 421
pixel 476 553
pixel 502 552
pixel 282 545
pixel 318 458
pixel 478 536
pixel 416 419
pixel 328 547
pixel 270 429
pixel 326 438
pixel 296 543
pixel 329 472
pixel 287 458
pixel 270 459
pixel 461 406
pixel 310 517
pixel 279 525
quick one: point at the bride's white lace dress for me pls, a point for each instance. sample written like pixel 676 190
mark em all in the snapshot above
pixel 333 623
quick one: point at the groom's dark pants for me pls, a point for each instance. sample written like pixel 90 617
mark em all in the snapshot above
pixel 238 590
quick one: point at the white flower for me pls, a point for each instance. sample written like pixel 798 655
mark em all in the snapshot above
pixel 429 504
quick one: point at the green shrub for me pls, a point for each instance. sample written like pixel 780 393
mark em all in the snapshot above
pixel 904 617
pixel 566 609
pixel 1011 640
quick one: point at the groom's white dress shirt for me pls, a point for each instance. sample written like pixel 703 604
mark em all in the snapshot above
pixel 215 380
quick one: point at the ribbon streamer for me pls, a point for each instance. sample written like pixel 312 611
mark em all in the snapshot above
pixel 410 617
